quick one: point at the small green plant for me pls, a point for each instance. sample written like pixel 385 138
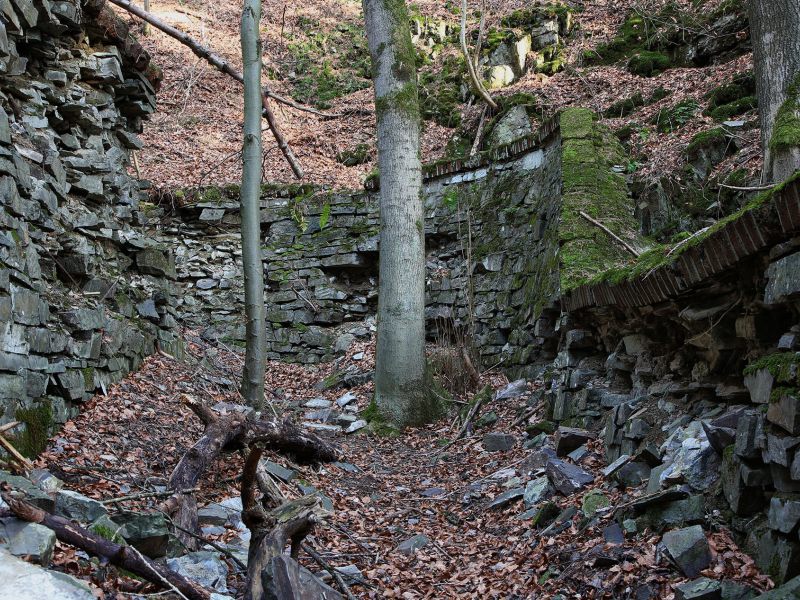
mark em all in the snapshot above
pixel 450 198
pixel 325 215
pixel 675 117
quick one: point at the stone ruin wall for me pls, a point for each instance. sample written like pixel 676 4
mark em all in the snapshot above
pixel 85 295
pixel 496 229
pixel 321 258
pixel 690 371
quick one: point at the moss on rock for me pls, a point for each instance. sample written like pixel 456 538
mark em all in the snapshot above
pixel 590 185
pixel 38 420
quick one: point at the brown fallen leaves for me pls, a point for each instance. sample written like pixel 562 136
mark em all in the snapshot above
pixel 130 440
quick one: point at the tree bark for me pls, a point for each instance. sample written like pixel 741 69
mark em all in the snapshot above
pixel 223 66
pixel 270 532
pixel 775 29
pixel 250 198
pixel 125 557
pixel 400 357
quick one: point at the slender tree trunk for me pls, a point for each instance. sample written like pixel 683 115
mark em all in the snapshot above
pixel 145 24
pixel 255 314
pixel 775 27
pixel 400 362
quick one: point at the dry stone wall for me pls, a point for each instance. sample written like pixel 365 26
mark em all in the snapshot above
pixel 691 371
pixel 497 232
pixel 85 295
pixel 321 257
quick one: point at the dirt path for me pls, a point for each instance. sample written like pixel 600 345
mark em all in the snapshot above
pixel 387 492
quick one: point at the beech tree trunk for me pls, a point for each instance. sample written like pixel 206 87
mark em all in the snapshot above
pixel 253 266
pixel 400 360
pixel 775 29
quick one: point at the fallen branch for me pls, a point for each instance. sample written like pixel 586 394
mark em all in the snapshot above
pixel 9 426
pixel 334 573
pixel 142 495
pixel 611 234
pixel 221 65
pixel 479 133
pixel 525 416
pixel 125 557
pixel 229 433
pixel 214 545
pixel 688 239
pixel 270 532
pixel 755 188
pixel 480 398
pixel 15 455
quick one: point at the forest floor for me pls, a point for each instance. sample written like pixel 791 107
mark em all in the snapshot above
pixel 195 137
pixel 385 491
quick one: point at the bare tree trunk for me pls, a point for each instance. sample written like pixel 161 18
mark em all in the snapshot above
pixel 145 24
pixel 775 27
pixel 253 266
pixel 400 361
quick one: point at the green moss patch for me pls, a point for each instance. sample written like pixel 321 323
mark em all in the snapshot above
pixel 440 92
pixel 786 131
pixel 784 367
pixel 590 185
pixel 675 117
pixel 327 65
pixel 357 155
pixel 664 254
pixel 648 63
pixel 38 421
pixel 705 139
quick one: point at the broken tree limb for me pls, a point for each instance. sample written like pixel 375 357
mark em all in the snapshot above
pixel 23 462
pixel 221 65
pixel 333 572
pixel 611 234
pixel 125 557
pixel 479 399
pixel 473 75
pixel 270 532
pixel 229 433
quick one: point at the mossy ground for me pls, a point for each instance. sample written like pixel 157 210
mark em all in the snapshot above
pixel 326 66
pixel 38 420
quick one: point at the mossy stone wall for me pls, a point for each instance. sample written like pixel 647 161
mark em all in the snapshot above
pixel 591 159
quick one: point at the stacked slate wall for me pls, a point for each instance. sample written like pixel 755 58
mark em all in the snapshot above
pixel 691 370
pixel 321 258
pixel 497 234
pixel 84 294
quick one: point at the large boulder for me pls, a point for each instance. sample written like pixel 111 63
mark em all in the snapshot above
pixel 515 124
pixel 27 539
pixel 147 532
pixel 75 506
pixel 567 478
pixel 203 567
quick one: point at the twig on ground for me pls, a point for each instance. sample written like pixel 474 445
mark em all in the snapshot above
pixel 334 573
